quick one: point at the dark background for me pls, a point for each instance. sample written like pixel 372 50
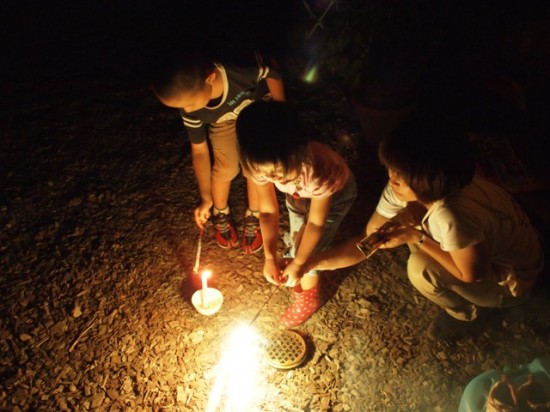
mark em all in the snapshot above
pixel 82 65
pixel 422 48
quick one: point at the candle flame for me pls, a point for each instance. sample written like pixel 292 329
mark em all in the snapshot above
pixel 204 291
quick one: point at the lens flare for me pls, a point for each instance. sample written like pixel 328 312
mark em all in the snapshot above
pixel 311 73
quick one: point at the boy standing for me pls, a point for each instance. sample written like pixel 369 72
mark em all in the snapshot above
pixel 210 96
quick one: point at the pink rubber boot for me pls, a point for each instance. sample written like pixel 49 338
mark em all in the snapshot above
pixel 305 303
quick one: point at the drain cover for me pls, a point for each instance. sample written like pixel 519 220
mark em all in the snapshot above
pixel 286 350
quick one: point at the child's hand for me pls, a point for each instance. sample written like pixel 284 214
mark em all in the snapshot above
pixel 405 218
pixel 398 236
pixel 292 274
pixel 412 215
pixel 272 272
pixel 202 214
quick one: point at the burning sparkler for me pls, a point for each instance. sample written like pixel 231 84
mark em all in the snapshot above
pixel 199 250
pixel 238 385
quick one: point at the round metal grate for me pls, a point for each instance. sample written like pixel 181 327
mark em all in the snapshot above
pixel 286 350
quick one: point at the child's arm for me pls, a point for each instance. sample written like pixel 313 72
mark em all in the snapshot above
pixel 273 77
pixel 200 155
pixel 376 221
pixel 276 88
pixel 312 232
pixel 341 256
pixel 269 225
pixel 468 264
pixel 473 261
pixel 345 254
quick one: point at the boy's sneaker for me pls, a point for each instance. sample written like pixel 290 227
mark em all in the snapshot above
pixel 252 236
pixel 226 234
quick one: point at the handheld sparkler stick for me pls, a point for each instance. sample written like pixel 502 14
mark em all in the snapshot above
pixel 199 250
pixel 264 305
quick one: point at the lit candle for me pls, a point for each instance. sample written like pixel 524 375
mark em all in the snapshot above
pixel 204 294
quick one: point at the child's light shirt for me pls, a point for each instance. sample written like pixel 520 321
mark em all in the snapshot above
pixel 325 175
pixel 481 211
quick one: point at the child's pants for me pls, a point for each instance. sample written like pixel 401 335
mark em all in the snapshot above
pixel 223 138
pixel 459 299
pixel 340 205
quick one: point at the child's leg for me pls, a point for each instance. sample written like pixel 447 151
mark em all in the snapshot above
pixel 433 281
pixel 306 297
pixel 305 302
pixel 297 216
pixel 225 168
pixel 226 161
pixel 220 194
pixel 252 240
pixel 339 208
pixel 310 280
pixel 297 212
pixel 459 299
pixel 253 201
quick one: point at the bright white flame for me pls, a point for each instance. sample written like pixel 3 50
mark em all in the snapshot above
pixel 238 377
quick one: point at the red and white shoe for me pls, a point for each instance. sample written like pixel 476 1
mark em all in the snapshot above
pixel 252 240
pixel 226 234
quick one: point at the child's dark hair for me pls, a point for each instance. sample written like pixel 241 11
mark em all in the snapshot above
pixel 432 155
pixel 174 70
pixel 271 133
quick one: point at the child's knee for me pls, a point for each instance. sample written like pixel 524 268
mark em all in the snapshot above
pixel 225 174
pixel 417 271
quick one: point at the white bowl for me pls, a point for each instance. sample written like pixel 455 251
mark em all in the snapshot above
pixel 213 298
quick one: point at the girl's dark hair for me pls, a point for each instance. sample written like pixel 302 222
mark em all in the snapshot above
pixel 271 132
pixel 432 155
pixel 178 69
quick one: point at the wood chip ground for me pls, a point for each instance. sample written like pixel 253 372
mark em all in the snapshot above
pixel 97 245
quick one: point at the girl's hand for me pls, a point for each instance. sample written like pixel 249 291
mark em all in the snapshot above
pixel 202 213
pixel 272 272
pixel 292 274
pixel 397 237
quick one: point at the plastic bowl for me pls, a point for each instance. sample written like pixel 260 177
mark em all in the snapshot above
pixel 213 297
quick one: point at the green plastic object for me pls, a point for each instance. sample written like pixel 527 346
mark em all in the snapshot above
pixel 474 397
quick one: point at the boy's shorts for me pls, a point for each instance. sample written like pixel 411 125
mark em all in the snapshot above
pixel 223 138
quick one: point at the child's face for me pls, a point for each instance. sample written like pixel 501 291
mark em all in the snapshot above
pixel 401 189
pixel 189 101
